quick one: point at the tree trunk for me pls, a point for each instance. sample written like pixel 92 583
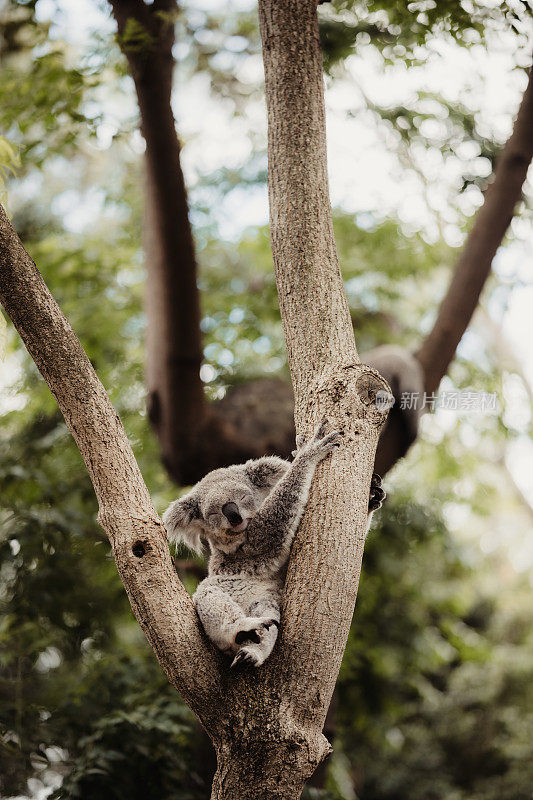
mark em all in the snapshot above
pixel 266 724
pixel 260 770
pixel 328 380
pixel 176 401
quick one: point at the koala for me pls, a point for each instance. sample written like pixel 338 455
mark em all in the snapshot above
pixel 248 515
pixel 404 374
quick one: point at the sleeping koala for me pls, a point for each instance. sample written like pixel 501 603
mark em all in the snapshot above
pixel 248 514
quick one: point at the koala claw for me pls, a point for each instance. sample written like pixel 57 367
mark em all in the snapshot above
pixel 332 439
pixel 300 441
pixel 377 493
pixel 245 656
pixel 321 430
pixel 321 444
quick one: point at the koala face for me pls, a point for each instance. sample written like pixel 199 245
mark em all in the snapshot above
pixel 219 508
pixel 227 500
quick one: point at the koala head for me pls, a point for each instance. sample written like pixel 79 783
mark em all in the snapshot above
pixel 219 508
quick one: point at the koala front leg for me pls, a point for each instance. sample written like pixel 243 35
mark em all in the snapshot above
pixel 273 527
pixel 377 492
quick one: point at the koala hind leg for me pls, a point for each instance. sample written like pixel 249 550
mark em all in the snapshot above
pixel 227 625
pixel 222 618
pixel 257 643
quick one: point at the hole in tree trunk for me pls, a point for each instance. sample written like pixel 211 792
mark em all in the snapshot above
pixel 139 549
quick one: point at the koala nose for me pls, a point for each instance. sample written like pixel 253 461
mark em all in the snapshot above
pixel 231 512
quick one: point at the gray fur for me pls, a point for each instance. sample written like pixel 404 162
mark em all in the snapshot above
pixel 404 374
pixel 238 603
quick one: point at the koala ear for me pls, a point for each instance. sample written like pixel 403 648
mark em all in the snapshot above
pixel 179 520
pixel 265 472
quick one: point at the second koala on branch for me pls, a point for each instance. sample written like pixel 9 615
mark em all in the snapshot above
pixel 248 515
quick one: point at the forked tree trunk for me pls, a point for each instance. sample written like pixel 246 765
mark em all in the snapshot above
pixel 266 724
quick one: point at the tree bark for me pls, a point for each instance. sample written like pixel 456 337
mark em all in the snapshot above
pixel 176 401
pixel 474 263
pixel 328 380
pixel 266 724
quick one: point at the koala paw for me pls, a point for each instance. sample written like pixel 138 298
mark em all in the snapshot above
pixel 248 656
pixel 255 643
pixel 377 493
pixel 322 443
pixel 254 630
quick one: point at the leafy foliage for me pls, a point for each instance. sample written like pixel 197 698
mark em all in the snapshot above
pixel 41 96
pixel 401 30
pixel 435 688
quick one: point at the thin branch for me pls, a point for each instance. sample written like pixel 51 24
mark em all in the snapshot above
pixel 158 599
pixel 474 263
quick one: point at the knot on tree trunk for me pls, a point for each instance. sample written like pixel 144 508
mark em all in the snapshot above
pixel 375 395
pixel 355 392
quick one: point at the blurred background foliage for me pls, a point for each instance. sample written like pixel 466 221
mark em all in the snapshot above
pixel 435 692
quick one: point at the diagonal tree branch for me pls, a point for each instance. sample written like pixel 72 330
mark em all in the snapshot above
pixel 474 263
pixel 158 599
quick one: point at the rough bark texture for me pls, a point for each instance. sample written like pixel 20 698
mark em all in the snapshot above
pixel 328 380
pixel 159 601
pixel 473 266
